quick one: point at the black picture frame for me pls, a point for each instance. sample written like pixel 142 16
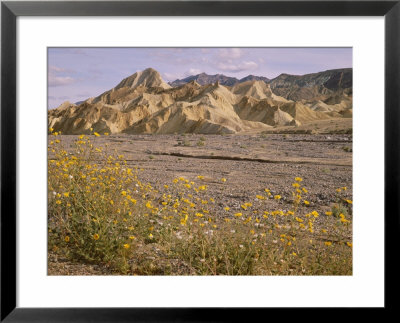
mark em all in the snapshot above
pixel 10 10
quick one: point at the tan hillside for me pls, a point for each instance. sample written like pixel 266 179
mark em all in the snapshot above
pixel 144 103
pixel 262 111
pixel 257 90
pixel 302 113
pixel 208 115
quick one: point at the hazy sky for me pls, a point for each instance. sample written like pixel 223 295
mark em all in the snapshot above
pixel 75 74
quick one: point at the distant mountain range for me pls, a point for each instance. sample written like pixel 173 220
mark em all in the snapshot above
pixel 305 87
pixel 209 104
pixel 204 78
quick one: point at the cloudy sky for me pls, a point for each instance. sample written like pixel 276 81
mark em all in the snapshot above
pixel 75 74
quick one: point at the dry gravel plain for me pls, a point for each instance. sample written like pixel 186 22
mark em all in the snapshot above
pixel 250 163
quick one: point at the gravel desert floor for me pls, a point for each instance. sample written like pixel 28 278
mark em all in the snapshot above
pixel 249 163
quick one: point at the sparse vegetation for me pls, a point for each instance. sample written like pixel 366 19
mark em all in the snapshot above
pixel 100 211
pixel 187 143
pixel 342 207
pixel 338 209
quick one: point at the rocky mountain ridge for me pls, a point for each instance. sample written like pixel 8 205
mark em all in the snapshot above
pixel 144 103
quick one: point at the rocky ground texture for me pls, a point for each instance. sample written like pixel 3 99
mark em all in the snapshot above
pixel 249 163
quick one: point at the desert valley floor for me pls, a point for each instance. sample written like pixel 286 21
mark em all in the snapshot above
pixel 249 163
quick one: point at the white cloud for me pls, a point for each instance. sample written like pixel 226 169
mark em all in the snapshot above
pixel 237 67
pixel 56 69
pixel 60 80
pixel 230 53
pixel 169 77
pixel 55 79
pixel 192 71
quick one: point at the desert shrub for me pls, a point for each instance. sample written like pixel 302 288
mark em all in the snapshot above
pixel 347 149
pixel 339 208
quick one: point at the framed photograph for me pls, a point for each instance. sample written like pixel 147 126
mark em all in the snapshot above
pixel 178 160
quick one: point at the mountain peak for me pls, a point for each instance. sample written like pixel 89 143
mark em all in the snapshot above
pixel 204 78
pixel 148 78
pixel 150 69
pixel 252 77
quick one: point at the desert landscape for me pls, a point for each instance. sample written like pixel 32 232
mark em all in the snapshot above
pixel 205 175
